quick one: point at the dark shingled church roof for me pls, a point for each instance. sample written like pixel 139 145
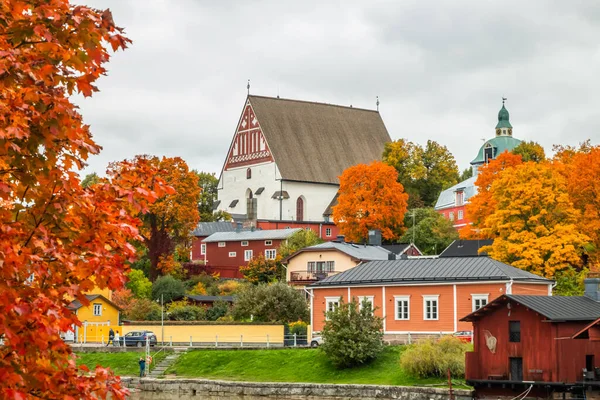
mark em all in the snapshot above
pixel 316 142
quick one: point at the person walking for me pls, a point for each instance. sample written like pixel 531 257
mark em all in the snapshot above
pixel 142 363
pixel 116 340
pixel 111 337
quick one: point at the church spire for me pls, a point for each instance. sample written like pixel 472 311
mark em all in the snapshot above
pixel 503 128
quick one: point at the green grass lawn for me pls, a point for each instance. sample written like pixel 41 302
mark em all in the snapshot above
pixel 292 365
pixel 125 363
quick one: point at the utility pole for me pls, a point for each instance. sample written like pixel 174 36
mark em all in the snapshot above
pixel 413 235
pixel 162 318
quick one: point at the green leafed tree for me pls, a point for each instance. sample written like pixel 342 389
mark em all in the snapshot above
pixel 275 302
pixel 139 284
pixel 299 240
pixel 352 335
pixel 208 182
pixel 466 174
pixel 90 179
pixel 530 151
pixel 168 287
pixel 432 232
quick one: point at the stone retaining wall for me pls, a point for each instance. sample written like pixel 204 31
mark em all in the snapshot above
pixel 206 389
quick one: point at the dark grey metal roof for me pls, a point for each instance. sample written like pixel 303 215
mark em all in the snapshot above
pixel 358 251
pixel 466 248
pixel 398 248
pixel 277 234
pixel 563 308
pixel 455 269
pixel 208 228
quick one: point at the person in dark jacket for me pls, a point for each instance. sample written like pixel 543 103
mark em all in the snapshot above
pixel 142 363
pixel 111 337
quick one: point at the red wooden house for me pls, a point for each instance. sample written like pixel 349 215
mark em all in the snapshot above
pixel 225 252
pixel 544 344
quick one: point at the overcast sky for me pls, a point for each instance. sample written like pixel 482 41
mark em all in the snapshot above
pixel 439 68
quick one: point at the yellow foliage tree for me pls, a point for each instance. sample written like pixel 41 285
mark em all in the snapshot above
pixel 534 222
pixel 370 198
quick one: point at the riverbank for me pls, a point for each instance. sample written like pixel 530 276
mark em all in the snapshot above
pixel 121 363
pixel 209 389
pixel 293 365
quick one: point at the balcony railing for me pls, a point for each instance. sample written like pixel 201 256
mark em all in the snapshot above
pixel 309 276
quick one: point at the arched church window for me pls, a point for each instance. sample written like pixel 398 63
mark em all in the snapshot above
pixel 300 209
pixel 248 173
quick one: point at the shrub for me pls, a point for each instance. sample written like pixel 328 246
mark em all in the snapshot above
pixel 143 310
pixel 299 328
pixel 218 310
pixel 209 282
pixel 184 311
pixel 139 285
pixel 262 270
pixel 433 357
pixel 276 302
pixel 352 335
pixel 169 287
pixel 199 289
pixel 229 287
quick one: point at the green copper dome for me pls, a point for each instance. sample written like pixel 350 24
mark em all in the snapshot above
pixel 503 118
pixel 499 145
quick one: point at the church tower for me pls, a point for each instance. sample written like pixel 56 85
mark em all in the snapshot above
pixel 503 128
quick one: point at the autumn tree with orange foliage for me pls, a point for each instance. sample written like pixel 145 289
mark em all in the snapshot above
pixel 262 270
pixel 370 198
pixel 57 240
pixel 534 222
pixel 483 204
pixel 170 220
pixel 583 184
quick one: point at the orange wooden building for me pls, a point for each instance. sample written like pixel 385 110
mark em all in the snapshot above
pixel 425 296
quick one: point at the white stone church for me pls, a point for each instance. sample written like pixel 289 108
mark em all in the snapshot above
pixel 286 156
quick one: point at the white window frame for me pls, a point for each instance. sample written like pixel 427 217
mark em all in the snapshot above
pixel 478 297
pixel 271 254
pixel 435 298
pixel 403 299
pixel 98 306
pixel 202 248
pixel 329 300
pixel 232 254
pixel 460 215
pixel 370 299
pixel 248 255
pixel 328 232
pixel 451 216
pixel 221 244
pixel 245 243
pixel 268 243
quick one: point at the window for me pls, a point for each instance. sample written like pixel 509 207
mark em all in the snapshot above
pixel 402 307
pixel 300 209
pixel 244 243
pixel 221 244
pixel 247 255
pixel 460 196
pixel 248 173
pixel 368 299
pixel 460 214
pixel 451 216
pixel 514 331
pixel 268 243
pixel 479 300
pixel 331 303
pixel 328 232
pixel 232 254
pixel 430 307
pixel 202 248
pixel 97 309
pixel 321 266
pixel 270 254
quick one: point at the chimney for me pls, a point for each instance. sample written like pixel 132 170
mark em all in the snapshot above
pixel 592 286
pixel 238 227
pixel 391 256
pixel 375 237
pixel 340 238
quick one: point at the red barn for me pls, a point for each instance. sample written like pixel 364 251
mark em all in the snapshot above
pixel 544 344
pixel 227 251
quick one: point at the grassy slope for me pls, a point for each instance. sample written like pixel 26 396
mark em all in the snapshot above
pixel 121 363
pixel 291 365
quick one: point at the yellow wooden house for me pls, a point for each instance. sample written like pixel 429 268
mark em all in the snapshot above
pixel 97 318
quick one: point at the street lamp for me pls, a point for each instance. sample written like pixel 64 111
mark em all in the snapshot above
pixel 162 318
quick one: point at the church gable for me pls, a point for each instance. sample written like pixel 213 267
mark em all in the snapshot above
pixel 249 145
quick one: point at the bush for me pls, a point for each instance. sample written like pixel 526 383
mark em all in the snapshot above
pixel 143 310
pixel 209 282
pixel 218 310
pixel 299 328
pixel 352 336
pixel 183 311
pixel 229 287
pixel 433 357
pixel 262 270
pixel 276 302
pixel 169 287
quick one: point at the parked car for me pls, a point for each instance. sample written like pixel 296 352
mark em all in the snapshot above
pixel 465 336
pixel 316 341
pixel 138 338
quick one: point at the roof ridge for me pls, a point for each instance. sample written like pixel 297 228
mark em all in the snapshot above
pixel 313 102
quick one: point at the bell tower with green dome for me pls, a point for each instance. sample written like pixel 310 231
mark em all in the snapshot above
pixel 503 128
pixel 501 142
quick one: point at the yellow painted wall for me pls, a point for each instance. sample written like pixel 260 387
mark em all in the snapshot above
pixel 109 313
pixel 299 263
pixel 96 333
pixel 208 333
